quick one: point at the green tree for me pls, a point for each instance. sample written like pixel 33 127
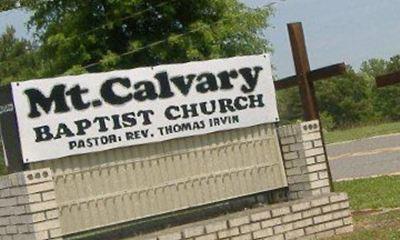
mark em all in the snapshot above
pixel 342 101
pixel 347 98
pixel 289 105
pixel 374 67
pixel 109 34
pixel 7 5
pixel 17 58
pixel 386 100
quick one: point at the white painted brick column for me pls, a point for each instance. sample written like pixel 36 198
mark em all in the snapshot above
pixel 28 208
pixel 304 159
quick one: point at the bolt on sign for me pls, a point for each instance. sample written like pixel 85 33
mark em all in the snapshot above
pixel 72 115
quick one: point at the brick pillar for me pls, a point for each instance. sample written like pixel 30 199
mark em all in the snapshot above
pixel 304 159
pixel 28 208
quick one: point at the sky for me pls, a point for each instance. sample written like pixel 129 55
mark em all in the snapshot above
pixel 349 31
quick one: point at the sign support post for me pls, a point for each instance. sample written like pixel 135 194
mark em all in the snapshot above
pixel 9 131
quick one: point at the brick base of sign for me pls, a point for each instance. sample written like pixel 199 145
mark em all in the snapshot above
pixel 313 213
pixel 309 218
pixel 28 209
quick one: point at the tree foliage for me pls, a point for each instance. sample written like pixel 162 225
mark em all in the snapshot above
pixel 8 5
pixel 17 58
pixel 100 35
pixel 75 36
pixel 386 100
pixel 346 98
pixel 351 99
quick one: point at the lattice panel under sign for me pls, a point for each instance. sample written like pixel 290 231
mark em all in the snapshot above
pixel 120 185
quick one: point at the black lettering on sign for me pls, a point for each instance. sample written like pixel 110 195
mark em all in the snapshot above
pixel 223 105
pixel 128 119
pixel 82 126
pixel 172 112
pixel 145 90
pixel 118 91
pixel 98 124
pixel 57 98
pixel 76 97
pixel 62 131
pixel 183 85
pixel 102 123
pixel 108 94
pixel 208 83
pixel 165 87
pixel 146 116
pixel 43 133
pixel 226 77
pixel 251 79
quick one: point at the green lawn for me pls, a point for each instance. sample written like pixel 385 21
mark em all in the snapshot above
pixel 381 192
pixel 374 227
pixel 362 132
pixel 375 193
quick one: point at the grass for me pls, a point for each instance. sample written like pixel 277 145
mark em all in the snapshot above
pixel 371 227
pixel 362 132
pixel 373 193
pixel 381 192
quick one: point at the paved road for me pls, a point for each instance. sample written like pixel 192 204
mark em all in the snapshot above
pixel 366 157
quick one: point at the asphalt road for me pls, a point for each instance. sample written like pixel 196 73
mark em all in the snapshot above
pixel 366 157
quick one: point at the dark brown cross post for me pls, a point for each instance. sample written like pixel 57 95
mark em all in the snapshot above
pixel 302 65
pixel 388 80
pixel 305 78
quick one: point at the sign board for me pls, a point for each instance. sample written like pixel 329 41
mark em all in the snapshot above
pixel 72 115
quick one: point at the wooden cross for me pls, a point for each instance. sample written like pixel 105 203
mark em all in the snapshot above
pixel 304 77
pixel 388 79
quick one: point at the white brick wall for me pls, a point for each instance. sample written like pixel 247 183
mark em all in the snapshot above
pixel 304 159
pixel 28 209
pixel 312 217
